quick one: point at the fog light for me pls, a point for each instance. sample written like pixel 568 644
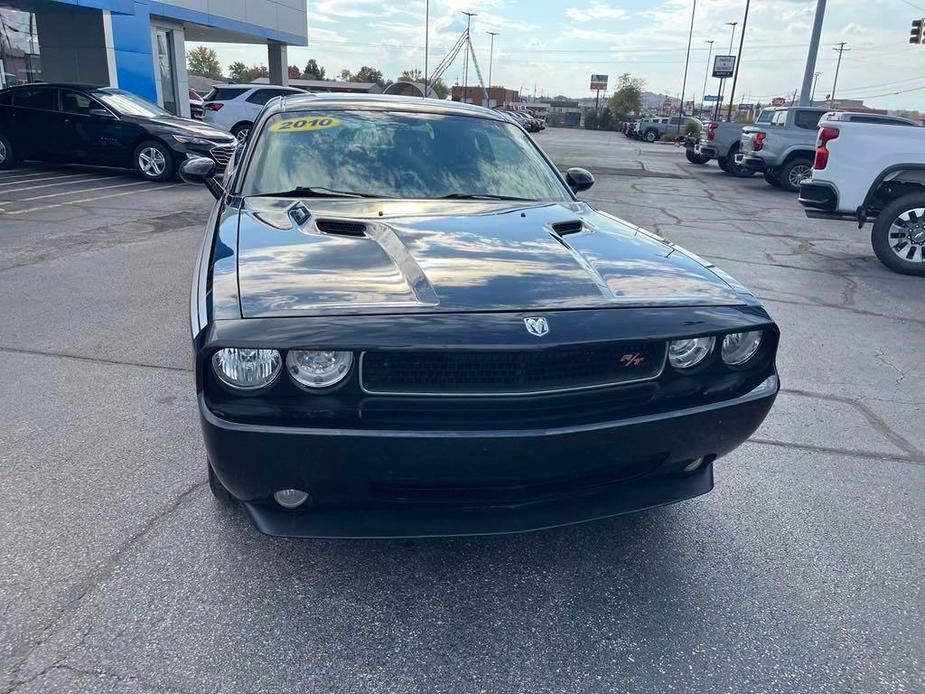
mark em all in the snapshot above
pixel 290 498
pixel 690 467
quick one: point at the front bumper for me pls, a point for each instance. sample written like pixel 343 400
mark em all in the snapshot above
pixel 389 483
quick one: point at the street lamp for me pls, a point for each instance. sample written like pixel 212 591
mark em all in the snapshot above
pixel 735 72
pixel 469 16
pixel 722 81
pixel 705 76
pixel 687 60
pixel 491 57
pixel 426 41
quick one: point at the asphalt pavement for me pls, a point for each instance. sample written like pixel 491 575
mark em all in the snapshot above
pixel 801 572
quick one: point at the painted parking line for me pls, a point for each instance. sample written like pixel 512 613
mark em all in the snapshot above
pixel 73 192
pixel 93 199
pixel 36 175
pixel 80 179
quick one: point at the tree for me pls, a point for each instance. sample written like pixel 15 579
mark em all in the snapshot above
pixel 365 74
pixel 439 86
pixel 236 71
pixel 313 71
pixel 204 62
pixel 254 72
pixel 627 99
pixel 294 72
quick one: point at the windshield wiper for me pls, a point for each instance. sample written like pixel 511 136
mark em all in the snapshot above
pixel 480 196
pixel 319 192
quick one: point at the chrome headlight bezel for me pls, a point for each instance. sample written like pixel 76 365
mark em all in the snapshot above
pixel 270 362
pixel 689 352
pixel 192 140
pixel 341 364
pixel 754 340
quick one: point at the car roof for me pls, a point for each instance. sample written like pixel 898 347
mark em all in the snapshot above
pixel 65 85
pixel 238 85
pixel 381 102
pixel 885 117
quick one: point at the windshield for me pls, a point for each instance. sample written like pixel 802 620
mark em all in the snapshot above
pixel 399 155
pixel 130 104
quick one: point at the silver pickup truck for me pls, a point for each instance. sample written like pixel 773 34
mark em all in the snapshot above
pixel 720 141
pixel 782 149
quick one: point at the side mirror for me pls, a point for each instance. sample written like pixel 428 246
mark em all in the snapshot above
pixel 100 113
pixel 579 179
pixel 201 171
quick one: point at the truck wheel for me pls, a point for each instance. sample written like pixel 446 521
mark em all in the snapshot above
pixel 733 169
pixel 222 495
pixel 695 158
pixel 650 136
pixel 793 172
pixel 722 164
pixel 7 155
pixel 772 179
pixel 898 236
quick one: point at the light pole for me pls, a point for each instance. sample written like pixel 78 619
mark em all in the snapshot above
pixel 426 42
pixel 812 53
pixel 735 73
pixel 687 60
pixel 491 57
pixel 722 81
pixel 469 16
pixel 812 95
pixel 706 74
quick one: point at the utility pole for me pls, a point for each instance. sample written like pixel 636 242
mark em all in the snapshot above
pixel 703 94
pixel 491 57
pixel 805 92
pixel 687 60
pixel 426 41
pixel 735 74
pixel 812 94
pixel 469 16
pixel 841 49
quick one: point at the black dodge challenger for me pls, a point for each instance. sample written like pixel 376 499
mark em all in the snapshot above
pixel 406 324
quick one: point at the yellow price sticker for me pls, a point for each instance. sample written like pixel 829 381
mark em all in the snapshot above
pixel 310 122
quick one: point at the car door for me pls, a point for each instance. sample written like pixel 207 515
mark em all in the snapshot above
pixel 91 133
pixel 33 120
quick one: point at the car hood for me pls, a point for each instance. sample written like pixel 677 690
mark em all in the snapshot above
pixel 193 128
pixel 312 257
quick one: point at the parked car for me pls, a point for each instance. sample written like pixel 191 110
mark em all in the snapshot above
pixel 652 129
pixel 195 104
pixel 720 141
pixel 868 166
pixel 72 123
pixel 782 149
pixel 529 123
pixel 406 324
pixel 234 107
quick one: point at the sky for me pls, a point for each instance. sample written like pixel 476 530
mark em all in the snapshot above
pixel 552 47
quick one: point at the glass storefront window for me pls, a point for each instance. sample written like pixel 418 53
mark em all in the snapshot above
pixel 19 48
pixel 166 70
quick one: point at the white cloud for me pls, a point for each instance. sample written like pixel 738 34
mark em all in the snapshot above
pixel 597 10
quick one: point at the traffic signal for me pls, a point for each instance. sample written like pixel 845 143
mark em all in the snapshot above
pixel 915 36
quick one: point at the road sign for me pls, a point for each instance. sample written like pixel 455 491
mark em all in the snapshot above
pixel 724 65
pixel 778 101
pixel 599 83
pixel 746 107
pixel 711 97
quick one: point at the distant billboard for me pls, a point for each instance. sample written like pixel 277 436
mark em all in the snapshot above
pixel 599 83
pixel 711 97
pixel 778 101
pixel 724 65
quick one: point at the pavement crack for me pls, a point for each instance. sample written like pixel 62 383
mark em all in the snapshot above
pixel 881 357
pixel 94 579
pixel 866 455
pixel 94 360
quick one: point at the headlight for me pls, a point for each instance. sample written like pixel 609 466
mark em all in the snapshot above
pixel 738 348
pixel 187 140
pixel 683 354
pixel 318 369
pixel 246 369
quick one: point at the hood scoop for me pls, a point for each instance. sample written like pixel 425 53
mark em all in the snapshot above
pixel 573 226
pixel 339 227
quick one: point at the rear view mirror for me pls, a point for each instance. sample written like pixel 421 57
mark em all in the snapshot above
pixel 100 113
pixel 579 179
pixel 201 171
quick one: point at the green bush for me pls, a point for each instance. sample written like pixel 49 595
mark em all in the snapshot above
pixel 691 129
pixel 668 137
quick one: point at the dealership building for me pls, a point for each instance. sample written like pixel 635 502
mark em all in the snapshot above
pixel 139 45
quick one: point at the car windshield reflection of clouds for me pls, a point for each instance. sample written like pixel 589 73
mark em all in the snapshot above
pixel 399 155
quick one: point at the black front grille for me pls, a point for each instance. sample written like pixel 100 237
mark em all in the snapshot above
pixel 222 154
pixel 514 372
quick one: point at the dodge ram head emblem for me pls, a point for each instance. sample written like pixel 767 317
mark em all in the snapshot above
pixel 536 326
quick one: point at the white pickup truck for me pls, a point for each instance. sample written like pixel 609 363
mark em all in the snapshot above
pixel 867 167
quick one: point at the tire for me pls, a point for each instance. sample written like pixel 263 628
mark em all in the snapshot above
pixel 793 172
pixel 7 155
pixel 901 248
pixel 722 164
pixel 241 131
pixel 650 136
pixel 695 158
pixel 771 179
pixel 222 495
pixel 734 169
pixel 154 161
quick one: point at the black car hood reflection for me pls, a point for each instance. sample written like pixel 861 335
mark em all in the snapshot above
pixel 458 256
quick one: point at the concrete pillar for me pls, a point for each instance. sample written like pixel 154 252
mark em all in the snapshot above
pixel 76 46
pixel 278 63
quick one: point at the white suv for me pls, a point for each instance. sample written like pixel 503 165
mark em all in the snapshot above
pixel 234 107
